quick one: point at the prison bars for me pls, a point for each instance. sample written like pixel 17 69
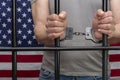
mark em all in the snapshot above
pixel 57 44
pixel 14 40
pixel 105 6
pixel 67 48
pixel 14 49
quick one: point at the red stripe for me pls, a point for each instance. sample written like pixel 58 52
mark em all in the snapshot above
pixel 22 58
pixel 118 44
pixel 35 73
pixel 115 58
pixel 115 72
pixel 21 73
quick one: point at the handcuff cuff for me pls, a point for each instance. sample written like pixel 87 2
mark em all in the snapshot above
pixel 90 35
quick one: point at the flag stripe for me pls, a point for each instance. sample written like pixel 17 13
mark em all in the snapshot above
pixel 9 78
pixel 115 72
pixel 21 66
pixel 22 52
pixel 112 78
pixel 22 58
pixel 118 44
pixel 115 65
pixel 38 58
pixel 115 58
pixel 20 73
pixel 35 73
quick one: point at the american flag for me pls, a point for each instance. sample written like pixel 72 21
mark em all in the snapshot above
pixel 29 62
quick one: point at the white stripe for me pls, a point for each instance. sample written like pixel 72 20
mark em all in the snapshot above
pixel 28 79
pixel 23 53
pixel 19 79
pixel 21 66
pixel 30 52
pixel 114 52
pixel 115 65
pixel 115 78
pixel 5 53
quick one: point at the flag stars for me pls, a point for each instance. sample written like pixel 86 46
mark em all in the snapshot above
pixel 9 20
pixel 29 42
pixel 19 20
pixel 23 4
pixel 4 25
pixel 24 21
pixel 9 31
pixel 9 9
pixel 29 0
pixel 19 9
pixel 34 37
pixel 9 41
pixel 8 0
pixel 29 31
pixel 19 31
pixel 4 36
pixel 3 4
pixel 29 20
pixel 0 42
pixel 29 9
pixel 18 0
pixel 24 25
pixel 24 36
pixel 33 25
pixel 19 42
pixel 0 31
pixel 3 14
pixel 24 15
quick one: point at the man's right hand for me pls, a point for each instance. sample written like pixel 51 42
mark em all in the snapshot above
pixel 56 25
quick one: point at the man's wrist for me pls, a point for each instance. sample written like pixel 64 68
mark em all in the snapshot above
pixel 62 37
pixel 90 35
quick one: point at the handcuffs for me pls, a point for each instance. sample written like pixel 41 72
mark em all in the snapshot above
pixel 89 35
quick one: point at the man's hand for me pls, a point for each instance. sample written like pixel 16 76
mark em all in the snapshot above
pixel 103 24
pixel 56 25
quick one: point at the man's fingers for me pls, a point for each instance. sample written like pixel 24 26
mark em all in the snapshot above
pixel 54 17
pixel 100 13
pixel 105 26
pixel 55 30
pixel 54 24
pixel 106 20
pixel 55 35
pixel 107 32
pixel 63 15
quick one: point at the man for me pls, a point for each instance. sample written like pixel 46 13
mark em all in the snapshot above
pixel 80 23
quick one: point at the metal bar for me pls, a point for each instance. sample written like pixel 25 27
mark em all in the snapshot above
pixel 105 44
pixel 14 53
pixel 67 48
pixel 57 44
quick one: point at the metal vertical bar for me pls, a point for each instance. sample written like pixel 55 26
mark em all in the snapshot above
pixel 57 44
pixel 105 44
pixel 14 40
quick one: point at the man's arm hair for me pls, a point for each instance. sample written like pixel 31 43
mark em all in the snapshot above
pixel 115 7
pixel 40 11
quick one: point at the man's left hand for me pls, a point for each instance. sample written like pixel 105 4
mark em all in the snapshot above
pixel 103 24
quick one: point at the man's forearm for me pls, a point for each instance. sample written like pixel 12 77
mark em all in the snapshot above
pixel 116 35
pixel 41 35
